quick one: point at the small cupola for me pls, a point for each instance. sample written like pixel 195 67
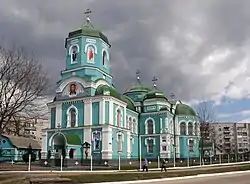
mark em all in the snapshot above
pixel 88 29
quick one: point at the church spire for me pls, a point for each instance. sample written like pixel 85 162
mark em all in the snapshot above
pixel 154 80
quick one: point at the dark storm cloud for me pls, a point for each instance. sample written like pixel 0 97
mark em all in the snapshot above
pixel 136 30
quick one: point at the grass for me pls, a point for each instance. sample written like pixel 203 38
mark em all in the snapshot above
pixel 91 178
pixel 136 165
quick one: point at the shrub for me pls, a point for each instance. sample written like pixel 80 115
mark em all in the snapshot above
pixel 26 157
pixel 49 155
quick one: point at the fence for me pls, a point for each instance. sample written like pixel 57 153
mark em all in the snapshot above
pixel 120 163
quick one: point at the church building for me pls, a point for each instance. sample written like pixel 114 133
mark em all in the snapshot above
pixel 89 117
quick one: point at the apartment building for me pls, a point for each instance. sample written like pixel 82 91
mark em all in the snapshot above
pixel 231 137
pixel 27 127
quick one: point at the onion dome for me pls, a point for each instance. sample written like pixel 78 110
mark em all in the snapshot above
pixel 184 110
pixel 110 91
pixel 88 30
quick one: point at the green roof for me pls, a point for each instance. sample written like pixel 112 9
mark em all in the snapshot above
pixel 185 110
pixel 89 30
pixel 73 139
pixel 156 94
pixel 107 90
pixel 137 88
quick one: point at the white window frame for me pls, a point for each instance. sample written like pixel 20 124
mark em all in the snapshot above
pixel 146 143
pixel 69 116
pixel 162 139
pixel 146 125
pixel 70 52
pixel 164 151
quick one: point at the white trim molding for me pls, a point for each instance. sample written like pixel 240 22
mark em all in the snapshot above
pixel 90 44
pixel 120 123
pixel 69 116
pixel 70 52
pixel 146 125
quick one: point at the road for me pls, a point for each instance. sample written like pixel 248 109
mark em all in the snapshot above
pixel 243 178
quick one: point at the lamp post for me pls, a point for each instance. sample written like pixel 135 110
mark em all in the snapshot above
pixel 85 150
pixel 119 151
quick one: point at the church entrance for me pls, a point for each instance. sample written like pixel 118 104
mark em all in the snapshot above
pixel 59 145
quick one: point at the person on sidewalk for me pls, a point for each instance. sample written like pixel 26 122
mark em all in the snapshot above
pixel 164 165
pixel 145 165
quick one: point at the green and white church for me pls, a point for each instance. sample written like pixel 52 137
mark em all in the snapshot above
pixel 89 117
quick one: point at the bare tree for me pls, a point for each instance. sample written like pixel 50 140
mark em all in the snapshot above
pixel 22 83
pixel 206 115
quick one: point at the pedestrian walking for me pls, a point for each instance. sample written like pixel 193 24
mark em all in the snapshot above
pixel 164 165
pixel 145 165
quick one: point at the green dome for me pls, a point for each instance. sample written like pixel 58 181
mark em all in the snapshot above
pixel 107 90
pixel 156 94
pixel 89 30
pixel 184 110
pixel 137 88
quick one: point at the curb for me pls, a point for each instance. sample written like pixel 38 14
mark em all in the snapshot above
pixel 114 171
pixel 175 178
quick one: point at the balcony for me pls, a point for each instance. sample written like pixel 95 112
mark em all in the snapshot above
pixel 227 136
pixel 30 128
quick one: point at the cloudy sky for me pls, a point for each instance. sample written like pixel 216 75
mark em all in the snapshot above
pixel 199 50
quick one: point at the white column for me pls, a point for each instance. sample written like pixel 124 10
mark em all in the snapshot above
pixel 87 113
pixel 166 124
pixel 49 125
pixel 107 143
pixel 44 145
pixel 160 125
pixel 102 111
pixel 128 145
pixel 186 128
pixel 58 119
pixel 125 118
pixel 111 112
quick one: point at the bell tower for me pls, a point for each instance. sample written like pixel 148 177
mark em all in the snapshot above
pixel 88 53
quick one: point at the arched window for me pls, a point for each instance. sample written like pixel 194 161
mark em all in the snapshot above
pixel 118 117
pixel 130 124
pixel 72 117
pixel 183 128
pixel 90 54
pixel 127 122
pixel 190 128
pixel 104 58
pixel 150 126
pixel 196 128
pixel 74 51
pixel 134 126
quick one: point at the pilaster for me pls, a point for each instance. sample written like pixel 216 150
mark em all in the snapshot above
pixel 102 111
pixel 58 119
pixel 111 112
pixel 44 145
pixel 107 143
pixel 129 151
pixel 87 113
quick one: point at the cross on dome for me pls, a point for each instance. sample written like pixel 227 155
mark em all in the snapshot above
pixel 88 12
pixel 138 75
pixel 154 80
